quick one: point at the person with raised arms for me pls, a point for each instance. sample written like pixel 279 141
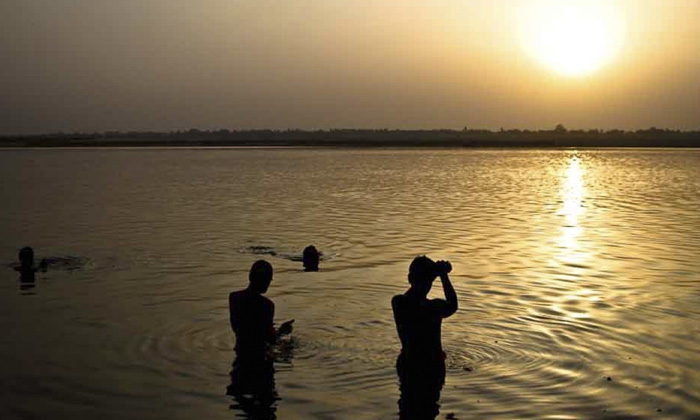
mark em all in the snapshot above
pixel 421 363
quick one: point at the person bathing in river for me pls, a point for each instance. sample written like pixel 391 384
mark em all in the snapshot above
pixel 421 363
pixel 252 315
pixel 27 267
pixel 311 258
pixel 418 319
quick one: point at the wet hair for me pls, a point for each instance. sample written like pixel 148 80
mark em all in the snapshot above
pixel 311 258
pixel 260 271
pixel 422 269
pixel 26 255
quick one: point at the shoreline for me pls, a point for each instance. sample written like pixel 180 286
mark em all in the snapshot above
pixel 661 144
pixel 336 147
pixel 654 138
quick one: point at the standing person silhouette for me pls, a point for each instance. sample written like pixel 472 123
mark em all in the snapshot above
pixel 251 316
pixel 421 363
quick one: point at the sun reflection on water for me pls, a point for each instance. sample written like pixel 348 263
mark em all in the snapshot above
pixel 572 253
pixel 572 193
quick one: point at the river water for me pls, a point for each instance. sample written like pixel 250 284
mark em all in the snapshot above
pixel 571 267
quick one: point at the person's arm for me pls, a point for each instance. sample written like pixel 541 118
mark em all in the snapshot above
pixel 450 305
pixel 275 333
pixel 270 314
pixel 284 329
pixel 450 295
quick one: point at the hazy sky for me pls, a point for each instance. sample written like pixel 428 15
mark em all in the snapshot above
pixel 95 65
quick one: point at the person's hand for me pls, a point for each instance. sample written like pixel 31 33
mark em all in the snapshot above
pixel 443 267
pixel 286 328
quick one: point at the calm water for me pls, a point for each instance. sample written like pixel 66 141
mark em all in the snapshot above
pixel 570 266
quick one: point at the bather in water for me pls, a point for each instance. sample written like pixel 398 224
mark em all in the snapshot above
pixel 421 363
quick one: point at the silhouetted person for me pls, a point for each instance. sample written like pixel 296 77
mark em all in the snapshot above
pixel 27 267
pixel 311 258
pixel 252 315
pixel 421 363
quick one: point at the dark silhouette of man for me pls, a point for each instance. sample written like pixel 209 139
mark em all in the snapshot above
pixel 311 258
pixel 252 315
pixel 421 363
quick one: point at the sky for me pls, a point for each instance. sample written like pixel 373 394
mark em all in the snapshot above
pixel 102 65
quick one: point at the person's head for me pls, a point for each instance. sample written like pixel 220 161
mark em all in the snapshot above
pixel 26 256
pixel 260 276
pixel 422 273
pixel 311 258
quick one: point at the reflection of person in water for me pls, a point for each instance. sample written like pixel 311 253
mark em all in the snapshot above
pixel 311 258
pixel 421 363
pixel 27 267
pixel 253 388
pixel 252 315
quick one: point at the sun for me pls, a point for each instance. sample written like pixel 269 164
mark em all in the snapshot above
pixel 571 37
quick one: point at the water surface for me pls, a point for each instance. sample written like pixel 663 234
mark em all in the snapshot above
pixel 570 266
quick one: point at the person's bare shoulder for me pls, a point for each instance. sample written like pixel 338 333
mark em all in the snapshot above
pixel 234 296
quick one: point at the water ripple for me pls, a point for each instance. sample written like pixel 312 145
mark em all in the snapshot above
pixel 572 267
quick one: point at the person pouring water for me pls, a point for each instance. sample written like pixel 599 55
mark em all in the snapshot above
pixel 421 363
pixel 419 319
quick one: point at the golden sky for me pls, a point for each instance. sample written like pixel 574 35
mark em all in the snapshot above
pixel 94 65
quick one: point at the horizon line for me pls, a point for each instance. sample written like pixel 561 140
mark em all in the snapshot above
pixel 512 130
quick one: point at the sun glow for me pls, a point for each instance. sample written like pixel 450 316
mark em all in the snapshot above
pixel 571 37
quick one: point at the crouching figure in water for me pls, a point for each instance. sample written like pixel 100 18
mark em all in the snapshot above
pixel 252 316
pixel 421 363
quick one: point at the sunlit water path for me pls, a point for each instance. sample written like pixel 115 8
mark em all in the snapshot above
pixel 570 266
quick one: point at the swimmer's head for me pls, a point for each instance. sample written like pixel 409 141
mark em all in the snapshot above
pixel 260 276
pixel 311 258
pixel 26 256
pixel 422 273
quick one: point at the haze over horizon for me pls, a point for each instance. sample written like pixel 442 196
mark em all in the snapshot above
pixel 100 65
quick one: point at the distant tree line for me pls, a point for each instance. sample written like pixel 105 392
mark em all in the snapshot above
pixel 559 136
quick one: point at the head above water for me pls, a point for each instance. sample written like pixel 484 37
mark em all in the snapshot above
pixel 26 256
pixel 260 276
pixel 311 258
pixel 422 273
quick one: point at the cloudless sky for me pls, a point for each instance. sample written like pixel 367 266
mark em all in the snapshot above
pixel 95 65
